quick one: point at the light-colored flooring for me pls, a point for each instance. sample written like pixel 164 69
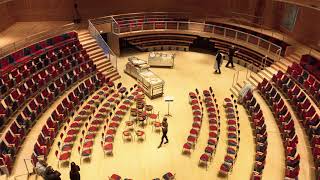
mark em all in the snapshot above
pixel 145 161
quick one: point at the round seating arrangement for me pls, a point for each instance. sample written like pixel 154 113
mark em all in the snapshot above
pixel 67 95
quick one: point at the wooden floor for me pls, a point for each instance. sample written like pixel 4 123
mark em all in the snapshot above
pixel 143 160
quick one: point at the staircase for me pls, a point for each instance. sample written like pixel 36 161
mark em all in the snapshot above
pixel 97 55
pixel 268 72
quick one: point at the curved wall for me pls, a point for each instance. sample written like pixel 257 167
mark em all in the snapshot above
pixel 306 30
pixel 29 10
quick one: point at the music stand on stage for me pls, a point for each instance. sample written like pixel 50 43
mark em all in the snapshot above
pixel 168 99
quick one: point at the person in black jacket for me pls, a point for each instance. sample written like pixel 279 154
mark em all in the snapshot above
pixel 74 172
pixel 232 51
pixel 164 131
pixel 218 62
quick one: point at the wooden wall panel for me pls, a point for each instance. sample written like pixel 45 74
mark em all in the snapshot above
pixel 42 10
pixel 35 10
pixel 307 28
pixel 6 19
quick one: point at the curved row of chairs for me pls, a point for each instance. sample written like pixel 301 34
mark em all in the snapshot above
pixel 39 74
pixel 110 132
pixel 18 129
pixel 285 125
pixel 233 136
pixel 24 55
pixel 306 81
pixel 214 127
pixel 259 130
pixel 24 71
pixel 84 123
pixel 58 118
pixel 303 108
pixel 197 112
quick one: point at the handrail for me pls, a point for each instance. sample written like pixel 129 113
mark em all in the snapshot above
pixel 197 23
pixel 15 46
pixel 201 27
pixel 101 42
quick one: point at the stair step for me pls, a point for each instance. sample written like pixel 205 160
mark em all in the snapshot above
pixel 107 69
pixel 296 56
pixel 101 60
pixel 281 66
pixel 83 32
pixel 96 51
pixel 262 76
pixel 253 82
pixel 93 56
pixel 115 78
pixel 84 39
pixel 88 42
pixel 265 74
pixel 233 91
pixel 105 63
pixel 84 36
pixel 271 71
pixel 90 45
pixel 104 68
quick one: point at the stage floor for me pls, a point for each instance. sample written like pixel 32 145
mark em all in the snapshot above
pixel 145 161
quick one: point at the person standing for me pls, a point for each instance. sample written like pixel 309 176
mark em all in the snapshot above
pixel 218 62
pixel 232 51
pixel 74 172
pixel 164 125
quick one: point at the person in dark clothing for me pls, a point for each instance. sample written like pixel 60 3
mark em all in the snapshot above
pixel 74 172
pixel 51 174
pixel 218 62
pixel 164 131
pixel 232 51
pixel 76 17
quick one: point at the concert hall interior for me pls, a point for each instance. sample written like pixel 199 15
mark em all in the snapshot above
pixel 160 90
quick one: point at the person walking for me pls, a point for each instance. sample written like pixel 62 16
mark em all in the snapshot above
pixel 218 62
pixel 164 125
pixel 74 172
pixel 232 51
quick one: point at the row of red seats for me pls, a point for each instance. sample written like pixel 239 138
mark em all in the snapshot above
pixel 311 64
pixel 21 56
pixel 233 133
pixel 302 105
pixel 306 80
pixel 20 74
pixel 113 103
pixel 286 127
pixel 59 75
pixel 260 133
pixel 73 128
pixel 214 127
pixel 59 116
pixel 18 130
pixel 197 112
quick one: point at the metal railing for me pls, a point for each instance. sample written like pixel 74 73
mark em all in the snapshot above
pixel 102 43
pixel 212 30
pixel 15 46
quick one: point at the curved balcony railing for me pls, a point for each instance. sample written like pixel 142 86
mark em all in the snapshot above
pixel 209 29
